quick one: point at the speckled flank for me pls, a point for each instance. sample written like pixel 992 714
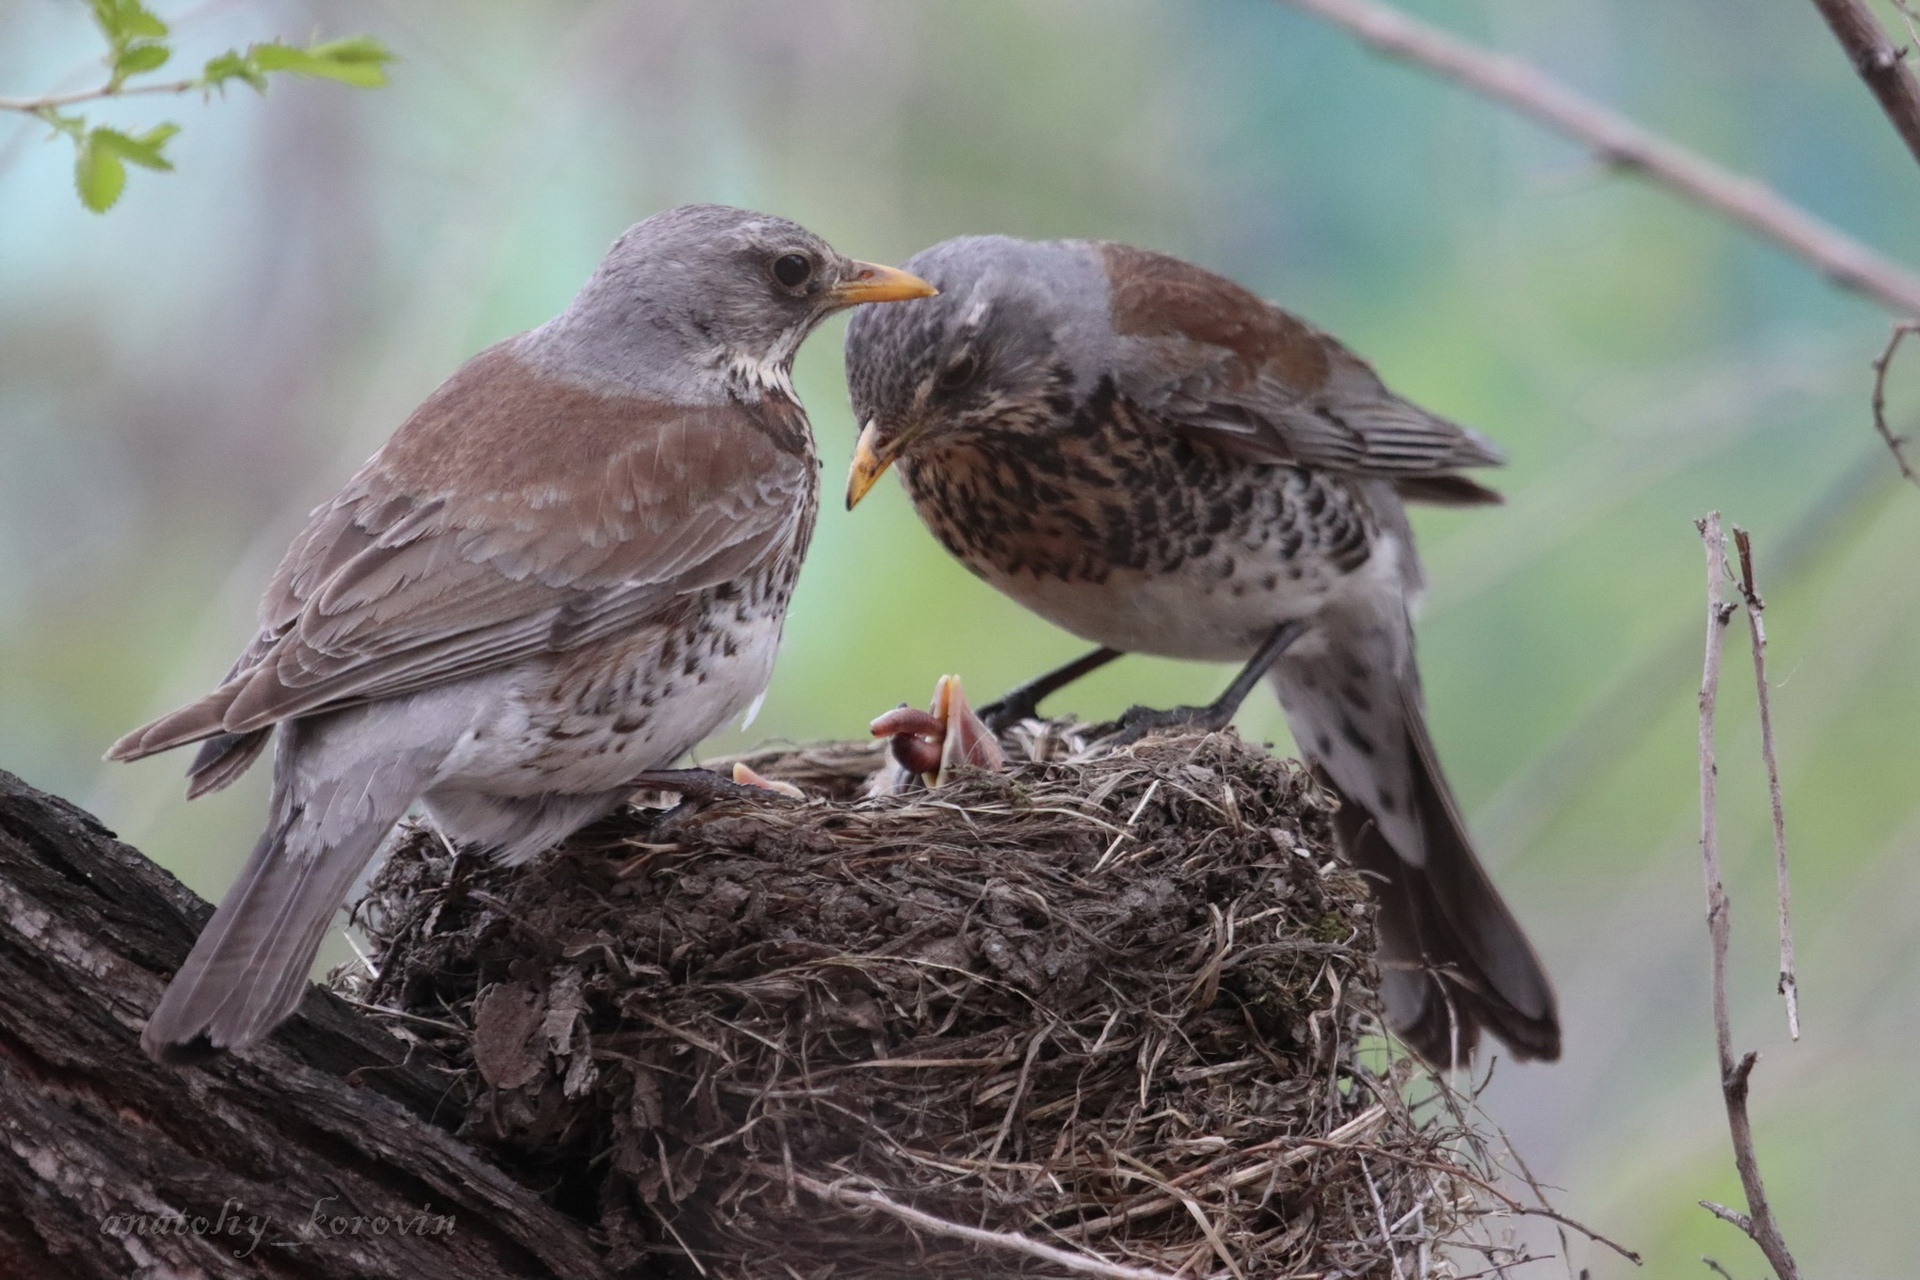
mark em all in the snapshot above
pixel 562 747
pixel 1207 550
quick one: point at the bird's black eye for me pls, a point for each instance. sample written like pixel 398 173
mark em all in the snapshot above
pixel 792 269
pixel 959 373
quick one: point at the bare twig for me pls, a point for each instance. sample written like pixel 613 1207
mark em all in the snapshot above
pixel 1718 612
pixel 1085 1264
pixel 1733 1077
pixel 1520 1207
pixel 1620 142
pixel 1895 444
pixel 1757 632
pixel 54 101
pixel 1380 1212
pixel 1880 62
pixel 1910 17
pixel 1718 1269
pixel 1732 1216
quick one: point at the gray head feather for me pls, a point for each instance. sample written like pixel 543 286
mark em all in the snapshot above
pixel 1016 323
pixel 686 307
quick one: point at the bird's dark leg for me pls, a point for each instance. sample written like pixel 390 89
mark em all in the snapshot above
pixel 1023 702
pixel 1138 722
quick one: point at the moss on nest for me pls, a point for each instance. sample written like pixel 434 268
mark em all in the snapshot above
pixel 1092 1016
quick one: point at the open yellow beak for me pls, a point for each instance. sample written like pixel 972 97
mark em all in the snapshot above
pixel 872 282
pixel 868 465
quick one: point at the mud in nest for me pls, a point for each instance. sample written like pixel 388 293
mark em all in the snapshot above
pixel 1086 1017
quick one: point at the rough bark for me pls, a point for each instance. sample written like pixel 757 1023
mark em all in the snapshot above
pixel 317 1155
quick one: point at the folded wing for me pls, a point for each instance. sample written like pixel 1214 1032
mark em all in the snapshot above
pixel 396 586
pixel 1264 385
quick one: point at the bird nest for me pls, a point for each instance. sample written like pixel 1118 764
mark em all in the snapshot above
pixel 1098 1014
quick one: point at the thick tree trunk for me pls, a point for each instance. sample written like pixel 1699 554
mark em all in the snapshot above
pixel 317 1155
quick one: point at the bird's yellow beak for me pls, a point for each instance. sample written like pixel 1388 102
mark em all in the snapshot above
pixel 869 464
pixel 871 282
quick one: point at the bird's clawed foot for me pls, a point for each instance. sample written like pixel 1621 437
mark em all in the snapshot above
pixel 1002 714
pixel 1137 722
pixel 706 785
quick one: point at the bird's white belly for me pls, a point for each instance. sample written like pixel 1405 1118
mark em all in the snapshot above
pixel 1212 610
pixel 1177 615
pixel 644 713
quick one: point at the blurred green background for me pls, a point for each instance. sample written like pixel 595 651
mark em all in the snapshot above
pixel 182 379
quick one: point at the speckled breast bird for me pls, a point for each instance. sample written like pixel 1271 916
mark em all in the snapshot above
pixel 1159 461
pixel 565 569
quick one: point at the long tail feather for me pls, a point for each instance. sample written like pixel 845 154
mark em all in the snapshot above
pixel 1455 962
pixel 249 968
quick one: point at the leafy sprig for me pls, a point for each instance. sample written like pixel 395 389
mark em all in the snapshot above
pixel 138 45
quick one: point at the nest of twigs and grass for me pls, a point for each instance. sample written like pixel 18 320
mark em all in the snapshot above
pixel 1099 1014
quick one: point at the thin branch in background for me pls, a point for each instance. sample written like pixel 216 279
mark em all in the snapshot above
pixel 1717 1268
pixel 1719 610
pixel 1758 1221
pixel 1909 16
pixel 1895 443
pixel 1880 62
pixel 1757 632
pixel 99 93
pixel 1618 141
pixel 139 43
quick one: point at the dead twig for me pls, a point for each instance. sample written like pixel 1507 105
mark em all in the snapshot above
pixel 1518 1206
pixel 1757 631
pixel 1910 16
pixel 1620 142
pixel 1895 444
pixel 1879 62
pixel 1758 1223
pixel 1006 1241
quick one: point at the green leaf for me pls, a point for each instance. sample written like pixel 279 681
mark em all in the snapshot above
pixel 232 65
pixel 143 150
pixel 160 135
pixel 140 57
pixel 358 60
pixel 98 174
pixel 125 21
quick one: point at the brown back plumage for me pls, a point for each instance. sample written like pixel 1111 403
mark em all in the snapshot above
pixel 1254 379
pixel 458 549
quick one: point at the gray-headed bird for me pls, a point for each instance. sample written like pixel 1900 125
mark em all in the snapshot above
pixel 1157 460
pixel 566 568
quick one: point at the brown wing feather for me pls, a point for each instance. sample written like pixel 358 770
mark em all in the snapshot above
pixel 511 515
pixel 1248 376
pixel 1446 490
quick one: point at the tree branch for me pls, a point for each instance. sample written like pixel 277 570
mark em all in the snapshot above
pixel 99 93
pixel 316 1154
pixel 1620 142
pixel 1880 62
pixel 1758 1224
pixel 1757 633
pixel 1895 444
